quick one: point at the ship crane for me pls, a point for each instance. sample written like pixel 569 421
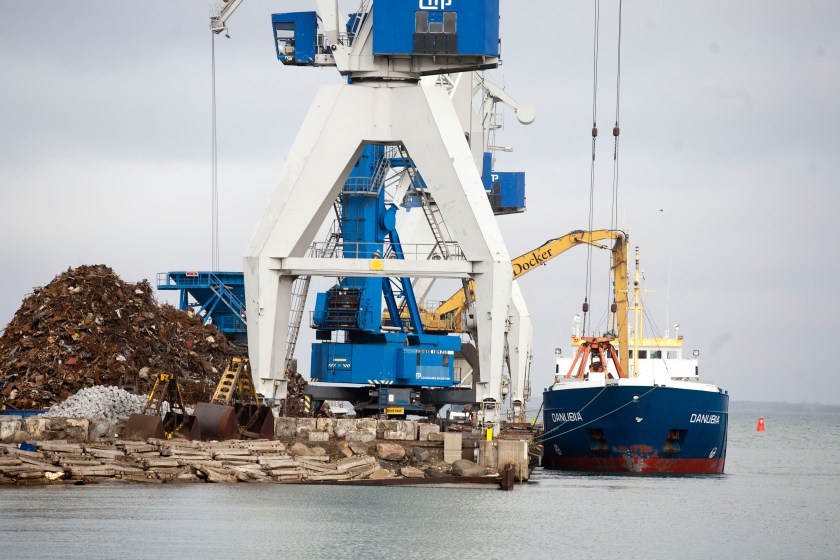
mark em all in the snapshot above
pixel 383 53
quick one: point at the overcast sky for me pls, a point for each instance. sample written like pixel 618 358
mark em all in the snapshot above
pixel 728 162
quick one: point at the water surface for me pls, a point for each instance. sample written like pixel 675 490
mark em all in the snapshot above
pixel 780 498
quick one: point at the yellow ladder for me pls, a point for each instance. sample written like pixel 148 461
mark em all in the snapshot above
pixel 236 383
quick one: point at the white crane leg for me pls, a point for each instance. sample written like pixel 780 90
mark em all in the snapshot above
pixel 460 195
pixel 520 337
pixel 310 179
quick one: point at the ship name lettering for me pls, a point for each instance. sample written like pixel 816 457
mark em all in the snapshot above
pixel 566 417
pixel 705 419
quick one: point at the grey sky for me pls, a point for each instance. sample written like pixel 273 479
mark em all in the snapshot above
pixel 729 117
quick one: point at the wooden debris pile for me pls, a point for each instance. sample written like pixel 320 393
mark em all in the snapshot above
pixel 88 327
pixel 158 461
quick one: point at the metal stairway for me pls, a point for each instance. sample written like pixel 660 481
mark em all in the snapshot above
pixel 216 297
pixel 227 297
pixel 300 291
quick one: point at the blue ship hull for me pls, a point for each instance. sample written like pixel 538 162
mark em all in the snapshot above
pixel 635 429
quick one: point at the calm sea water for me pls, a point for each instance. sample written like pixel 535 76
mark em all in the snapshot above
pixel 780 498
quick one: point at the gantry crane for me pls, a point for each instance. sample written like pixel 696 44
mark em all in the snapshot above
pixel 383 53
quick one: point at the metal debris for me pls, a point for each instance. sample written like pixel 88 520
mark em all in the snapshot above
pixel 88 327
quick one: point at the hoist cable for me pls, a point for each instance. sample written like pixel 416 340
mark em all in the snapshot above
pixel 214 219
pixel 617 128
pixel 595 45
pixel 616 134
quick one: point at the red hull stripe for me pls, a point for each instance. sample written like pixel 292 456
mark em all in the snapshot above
pixel 652 465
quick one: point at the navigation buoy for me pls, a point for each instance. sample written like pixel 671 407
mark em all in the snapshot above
pixel 760 427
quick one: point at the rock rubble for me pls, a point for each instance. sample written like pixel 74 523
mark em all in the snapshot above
pixel 100 402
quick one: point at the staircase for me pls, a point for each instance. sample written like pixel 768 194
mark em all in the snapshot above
pixel 300 291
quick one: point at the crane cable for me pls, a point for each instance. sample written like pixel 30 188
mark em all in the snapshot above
pixel 214 221
pixel 616 133
pixel 592 165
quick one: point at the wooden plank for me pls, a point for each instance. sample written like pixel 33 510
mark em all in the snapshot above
pixel 239 458
pixel 40 465
pixel 279 463
pixel 336 476
pixel 353 462
pixel 362 472
pixel 79 462
pixel 60 446
pixel 85 472
pixel 142 476
pixel 286 472
pixel 218 475
pixel 104 453
pixel 317 467
pixel 317 458
pixel 160 463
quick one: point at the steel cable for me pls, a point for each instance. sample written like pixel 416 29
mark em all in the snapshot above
pixel 588 288
pixel 214 219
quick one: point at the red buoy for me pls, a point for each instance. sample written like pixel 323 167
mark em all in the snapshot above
pixel 760 427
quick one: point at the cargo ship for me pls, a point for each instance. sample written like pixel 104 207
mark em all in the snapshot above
pixel 638 407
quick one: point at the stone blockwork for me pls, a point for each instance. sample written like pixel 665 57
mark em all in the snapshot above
pixel 9 425
pixel 41 428
pixel 397 430
pixel 426 429
pixel 315 450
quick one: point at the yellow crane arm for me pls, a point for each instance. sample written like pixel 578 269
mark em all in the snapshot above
pixel 452 309
pixel 554 247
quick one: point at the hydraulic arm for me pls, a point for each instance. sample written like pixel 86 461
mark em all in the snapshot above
pixel 451 312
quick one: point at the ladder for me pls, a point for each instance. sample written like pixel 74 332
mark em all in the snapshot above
pixel 300 291
pixel 382 401
pixel 236 383
pixel 382 167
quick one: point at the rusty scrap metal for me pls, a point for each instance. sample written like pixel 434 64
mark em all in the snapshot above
pixel 88 327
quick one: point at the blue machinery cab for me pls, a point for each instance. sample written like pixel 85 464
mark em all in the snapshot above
pixel 354 346
pixel 296 38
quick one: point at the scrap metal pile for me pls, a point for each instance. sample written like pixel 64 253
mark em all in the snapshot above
pixel 88 327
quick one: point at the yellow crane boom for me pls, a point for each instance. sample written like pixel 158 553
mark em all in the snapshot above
pixel 448 317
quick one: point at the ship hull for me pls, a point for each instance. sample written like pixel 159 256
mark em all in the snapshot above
pixel 635 428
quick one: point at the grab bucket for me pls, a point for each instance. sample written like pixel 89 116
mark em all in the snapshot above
pixel 255 421
pixel 144 426
pixel 216 422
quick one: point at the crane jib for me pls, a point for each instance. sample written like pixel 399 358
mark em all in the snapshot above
pixel 527 262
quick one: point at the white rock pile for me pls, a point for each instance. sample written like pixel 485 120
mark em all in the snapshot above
pixel 99 402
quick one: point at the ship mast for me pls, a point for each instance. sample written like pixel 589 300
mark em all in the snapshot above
pixel 638 320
